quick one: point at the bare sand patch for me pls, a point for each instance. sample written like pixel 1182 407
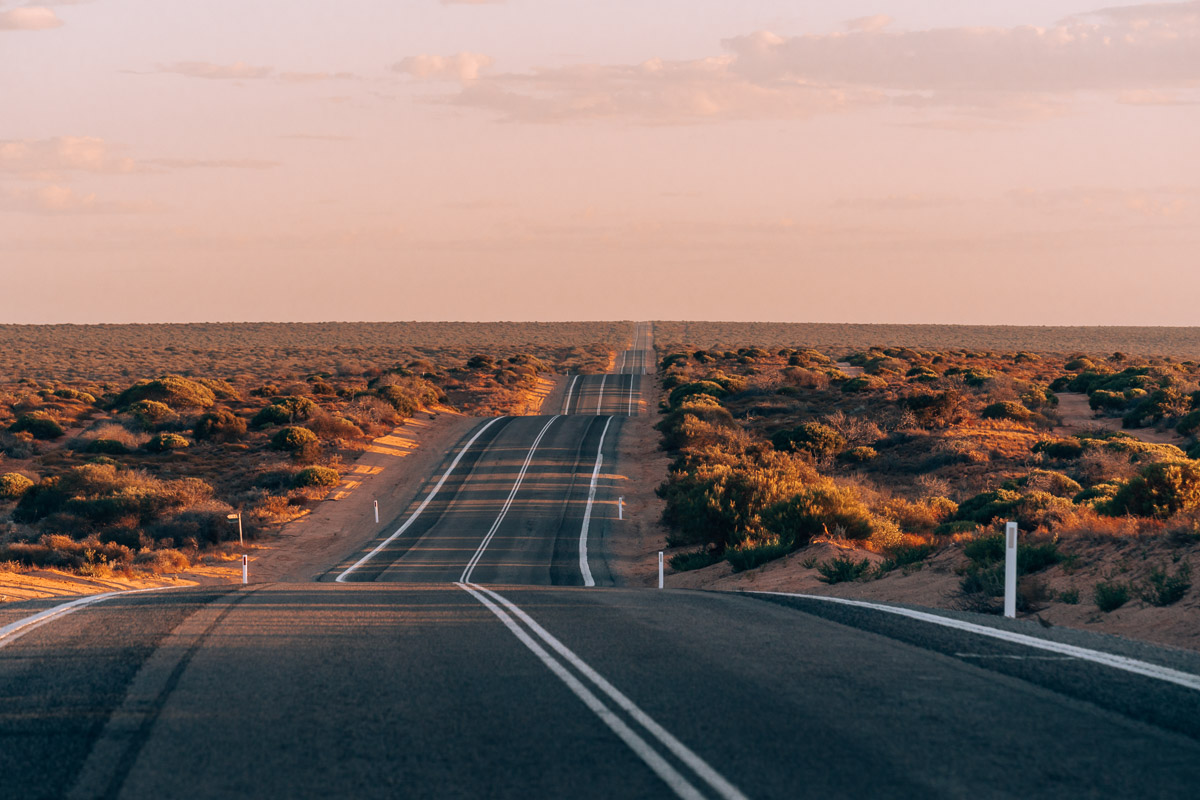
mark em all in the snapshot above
pixel 1078 417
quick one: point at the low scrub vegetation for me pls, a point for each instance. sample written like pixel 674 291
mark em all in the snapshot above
pixel 902 451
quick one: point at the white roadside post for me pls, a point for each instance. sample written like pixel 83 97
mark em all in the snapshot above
pixel 621 507
pixel 376 512
pixel 1010 570
pixel 238 517
pixel 660 569
pixel 245 568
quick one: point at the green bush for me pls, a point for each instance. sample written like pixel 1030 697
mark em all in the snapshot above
pixel 108 447
pixel 819 441
pixel 1160 490
pixel 695 559
pixel 399 398
pixel 1110 596
pixel 1104 400
pixel 165 442
pixel 151 413
pixel 1060 449
pixel 858 455
pixel 1190 424
pixel 842 569
pixel 902 555
pixel 1006 409
pixel 955 527
pixel 13 485
pixel 284 411
pixel 1098 495
pixel 293 439
pixel 220 388
pixel 749 555
pixel 683 392
pixel 823 509
pixel 1163 589
pixel 1032 555
pixel 220 424
pixel 863 383
pixel 37 425
pixel 67 393
pixel 986 506
pixel 172 390
pixel 317 476
pixel 936 409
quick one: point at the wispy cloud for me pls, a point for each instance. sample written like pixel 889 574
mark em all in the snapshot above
pixel 62 154
pixel 29 18
pixel 464 67
pixel 238 71
pixel 59 199
pixel 1135 52
pixel 218 163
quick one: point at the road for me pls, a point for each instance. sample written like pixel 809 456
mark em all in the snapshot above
pixel 462 655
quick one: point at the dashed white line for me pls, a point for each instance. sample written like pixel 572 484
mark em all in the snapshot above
pixel 466 575
pixel 584 569
pixel 1143 668
pixel 342 578
pixel 677 782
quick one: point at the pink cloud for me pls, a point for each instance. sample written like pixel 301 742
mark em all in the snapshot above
pixel 30 18
pixel 464 67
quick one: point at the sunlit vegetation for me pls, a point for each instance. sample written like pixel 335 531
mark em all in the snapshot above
pixel 125 448
pixel 906 451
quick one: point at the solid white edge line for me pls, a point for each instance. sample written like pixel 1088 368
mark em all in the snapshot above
pixel 571 388
pixel 600 399
pixel 637 744
pixel 342 578
pixel 15 630
pixel 681 751
pixel 629 411
pixel 1143 668
pixel 584 569
pixel 466 575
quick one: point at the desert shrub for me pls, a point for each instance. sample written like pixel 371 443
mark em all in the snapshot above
pixel 823 509
pixel 221 389
pixel 67 393
pixel 110 447
pixel 293 439
pixel 328 426
pixel 695 559
pixel 1006 409
pixel 683 392
pixel 165 442
pixel 842 569
pixel 1079 364
pixel 863 383
pixel 681 426
pixel 1194 450
pixel 37 425
pixel 164 561
pixel 404 401
pixel 172 390
pixel 1033 555
pixel 1055 483
pixel 923 516
pixel 858 455
pixel 1160 490
pixel 1060 449
pixel 1097 495
pixel 1110 596
pixel 673 359
pixel 1190 424
pixel 751 554
pixel 220 424
pixel 906 553
pixel 317 476
pixel 284 411
pixel 13 485
pixel 1103 400
pixel 956 527
pixel 936 409
pixel 1163 589
pixel 150 413
pixel 986 506
pixel 480 362
pixel 819 441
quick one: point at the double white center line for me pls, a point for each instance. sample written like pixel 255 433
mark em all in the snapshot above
pixel 585 686
pixel 466 575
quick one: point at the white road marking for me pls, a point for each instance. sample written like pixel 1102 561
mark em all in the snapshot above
pixel 1144 668
pixel 706 773
pixel 630 409
pixel 466 575
pixel 584 569
pixel 600 400
pixel 342 578
pixel 571 388
pixel 15 630
pixel 637 744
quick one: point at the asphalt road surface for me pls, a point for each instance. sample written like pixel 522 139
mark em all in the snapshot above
pixel 464 654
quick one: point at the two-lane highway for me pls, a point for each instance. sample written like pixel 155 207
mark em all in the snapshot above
pixel 465 653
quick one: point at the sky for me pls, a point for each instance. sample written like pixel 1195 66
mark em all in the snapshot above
pixel 893 161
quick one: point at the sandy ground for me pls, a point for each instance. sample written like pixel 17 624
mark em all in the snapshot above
pixel 852 371
pixel 1077 416
pixel 391 471
pixel 634 547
